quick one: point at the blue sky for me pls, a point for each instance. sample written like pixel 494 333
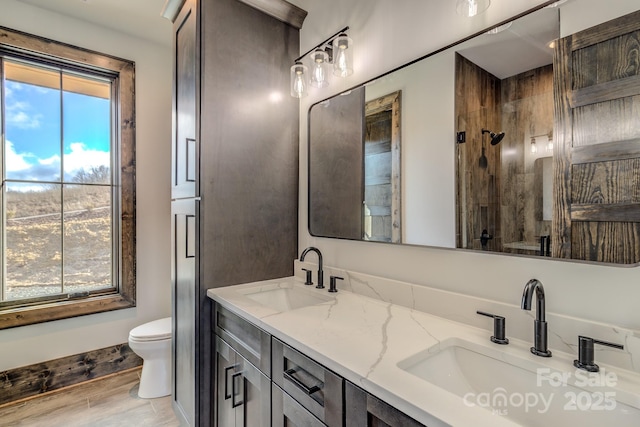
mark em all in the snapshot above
pixel 32 120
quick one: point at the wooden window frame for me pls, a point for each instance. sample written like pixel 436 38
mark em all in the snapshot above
pixel 125 294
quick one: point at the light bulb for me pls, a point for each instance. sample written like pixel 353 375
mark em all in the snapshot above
pixel 298 83
pixel 342 56
pixel 319 73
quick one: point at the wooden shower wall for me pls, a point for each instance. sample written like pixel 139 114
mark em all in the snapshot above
pixel 477 105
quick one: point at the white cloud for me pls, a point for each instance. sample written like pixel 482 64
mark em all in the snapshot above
pixel 27 166
pixel 15 162
pixel 17 114
pixel 82 159
pixel 22 120
pixel 53 160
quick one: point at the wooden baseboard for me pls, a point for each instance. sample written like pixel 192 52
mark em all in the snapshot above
pixel 28 381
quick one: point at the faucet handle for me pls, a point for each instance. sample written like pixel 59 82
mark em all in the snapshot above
pixel 308 281
pixel 499 326
pixel 332 283
pixel 585 353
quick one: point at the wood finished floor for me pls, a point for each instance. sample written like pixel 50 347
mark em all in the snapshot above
pixel 108 402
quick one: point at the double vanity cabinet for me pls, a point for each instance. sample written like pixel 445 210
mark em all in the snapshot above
pixel 386 353
pixel 261 381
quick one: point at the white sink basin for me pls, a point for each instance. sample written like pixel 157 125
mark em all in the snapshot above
pixel 524 390
pixel 286 296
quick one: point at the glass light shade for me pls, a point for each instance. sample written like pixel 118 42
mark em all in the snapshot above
pixel 342 56
pixel 298 80
pixel 534 148
pixel 471 8
pixel 318 77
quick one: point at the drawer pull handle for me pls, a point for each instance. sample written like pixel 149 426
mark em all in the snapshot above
pixel 288 374
pixel 227 395
pixel 234 403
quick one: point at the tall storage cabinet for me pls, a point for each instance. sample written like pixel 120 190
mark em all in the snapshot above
pixel 234 169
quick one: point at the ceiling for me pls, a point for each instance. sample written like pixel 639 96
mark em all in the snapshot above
pixel 140 18
pixel 520 47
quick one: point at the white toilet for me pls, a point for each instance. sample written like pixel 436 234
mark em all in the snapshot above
pixel 152 342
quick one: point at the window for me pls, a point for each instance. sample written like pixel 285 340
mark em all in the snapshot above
pixel 68 191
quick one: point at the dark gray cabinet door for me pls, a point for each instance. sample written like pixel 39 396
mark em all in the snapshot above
pixel 184 152
pixel 287 412
pixel 365 410
pixel 183 274
pixel 243 393
pixel 226 384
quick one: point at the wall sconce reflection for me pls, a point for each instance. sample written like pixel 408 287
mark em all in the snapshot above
pixel 547 143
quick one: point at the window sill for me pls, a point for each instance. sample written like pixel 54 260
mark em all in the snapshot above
pixel 11 318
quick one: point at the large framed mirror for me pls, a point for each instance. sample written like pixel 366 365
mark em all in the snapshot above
pixel 524 139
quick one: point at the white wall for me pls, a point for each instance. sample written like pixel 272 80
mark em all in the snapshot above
pixel 32 344
pixel 427 126
pixel 388 34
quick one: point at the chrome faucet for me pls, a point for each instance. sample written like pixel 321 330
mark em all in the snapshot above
pixel 540 325
pixel 304 253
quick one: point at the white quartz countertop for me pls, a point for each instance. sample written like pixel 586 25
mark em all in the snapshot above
pixel 363 340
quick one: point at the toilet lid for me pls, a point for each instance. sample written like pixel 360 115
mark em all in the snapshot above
pixel 152 331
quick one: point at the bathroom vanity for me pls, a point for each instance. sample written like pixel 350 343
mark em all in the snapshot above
pixel 261 381
pixel 368 352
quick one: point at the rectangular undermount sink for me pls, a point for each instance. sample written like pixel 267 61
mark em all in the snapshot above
pixel 522 390
pixel 285 296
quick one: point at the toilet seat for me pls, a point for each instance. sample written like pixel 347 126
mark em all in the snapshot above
pixel 156 330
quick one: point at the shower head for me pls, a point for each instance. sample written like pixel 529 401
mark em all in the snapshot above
pixel 495 138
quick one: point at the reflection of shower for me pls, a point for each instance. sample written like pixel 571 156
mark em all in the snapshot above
pixel 495 138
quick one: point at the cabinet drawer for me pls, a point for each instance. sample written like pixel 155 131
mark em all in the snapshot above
pixel 315 387
pixel 251 342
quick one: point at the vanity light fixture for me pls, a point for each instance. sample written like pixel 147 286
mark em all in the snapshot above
pixel 471 8
pixel 337 51
pixel 534 148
